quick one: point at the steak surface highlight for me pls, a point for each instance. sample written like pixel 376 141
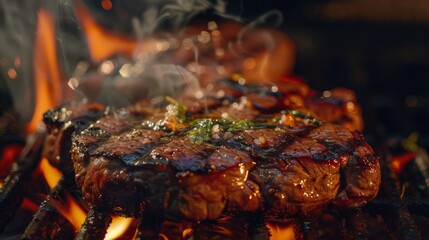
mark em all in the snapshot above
pixel 203 158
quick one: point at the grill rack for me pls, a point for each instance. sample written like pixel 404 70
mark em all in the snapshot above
pixel 389 216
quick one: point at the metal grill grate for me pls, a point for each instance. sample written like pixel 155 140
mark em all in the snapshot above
pixel 389 216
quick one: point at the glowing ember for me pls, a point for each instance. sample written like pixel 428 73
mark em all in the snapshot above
pixel 118 227
pixel 400 161
pixel 12 73
pixel 29 205
pixel 106 4
pixel 9 154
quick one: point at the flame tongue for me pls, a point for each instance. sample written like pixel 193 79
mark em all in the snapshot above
pixel 103 44
pixel 46 70
pixel 70 209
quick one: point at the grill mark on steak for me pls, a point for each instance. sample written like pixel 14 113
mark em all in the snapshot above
pixel 128 146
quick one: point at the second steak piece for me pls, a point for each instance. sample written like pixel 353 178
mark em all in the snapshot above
pixel 231 158
pixel 61 122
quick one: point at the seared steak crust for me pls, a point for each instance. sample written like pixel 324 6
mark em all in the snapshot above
pixel 231 155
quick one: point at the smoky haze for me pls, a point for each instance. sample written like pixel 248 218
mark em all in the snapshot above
pixel 131 78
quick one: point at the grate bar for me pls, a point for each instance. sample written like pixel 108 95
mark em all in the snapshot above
pixel 48 223
pixel 95 225
pixel 13 191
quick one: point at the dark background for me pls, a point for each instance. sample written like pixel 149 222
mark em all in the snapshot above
pixel 378 48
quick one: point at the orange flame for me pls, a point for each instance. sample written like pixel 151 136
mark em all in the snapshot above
pixel 73 212
pixel 46 70
pixel 48 77
pixel 103 44
pixel 71 209
pixel 280 232
pixel 118 227
pixel 51 174
pixel 48 87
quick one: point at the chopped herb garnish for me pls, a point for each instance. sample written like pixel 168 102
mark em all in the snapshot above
pixel 201 131
pixel 176 109
pixel 240 125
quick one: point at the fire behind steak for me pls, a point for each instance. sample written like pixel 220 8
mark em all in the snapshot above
pixel 239 151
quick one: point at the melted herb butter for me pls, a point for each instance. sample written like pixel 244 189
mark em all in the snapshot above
pixel 240 125
pixel 299 116
pixel 202 129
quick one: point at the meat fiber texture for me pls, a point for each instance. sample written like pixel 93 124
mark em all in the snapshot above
pixel 230 150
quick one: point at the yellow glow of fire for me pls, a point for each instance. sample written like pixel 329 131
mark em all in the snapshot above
pixel 51 174
pixel 118 227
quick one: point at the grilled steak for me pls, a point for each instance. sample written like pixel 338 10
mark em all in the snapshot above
pixel 61 123
pixel 219 155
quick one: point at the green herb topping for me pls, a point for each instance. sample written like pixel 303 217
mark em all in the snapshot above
pixel 201 130
pixel 176 109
